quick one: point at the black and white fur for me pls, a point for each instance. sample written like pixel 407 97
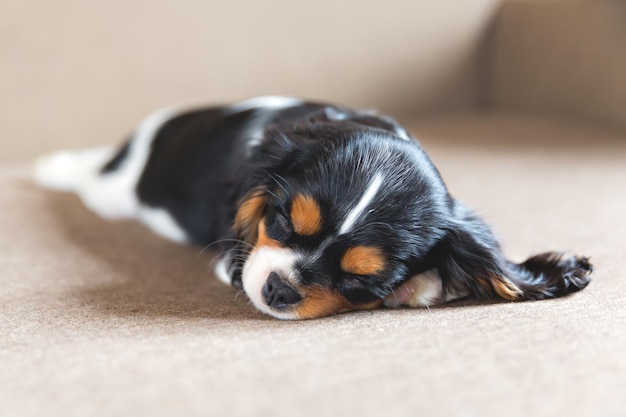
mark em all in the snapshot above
pixel 187 173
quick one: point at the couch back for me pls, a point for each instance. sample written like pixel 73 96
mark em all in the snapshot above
pixel 564 58
pixel 76 73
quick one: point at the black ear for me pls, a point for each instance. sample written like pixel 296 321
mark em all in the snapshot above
pixel 469 258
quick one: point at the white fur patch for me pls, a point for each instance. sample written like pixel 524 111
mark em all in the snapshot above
pixel 140 146
pixel 221 269
pixel 266 102
pixel 400 131
pixel 359 209
pixel 161 222
pixel 422 290
pixel 257 269
pixel 256 129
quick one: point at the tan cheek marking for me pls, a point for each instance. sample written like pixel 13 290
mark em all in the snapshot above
pixel 249 215
pixel 320 302
pixel 306 215
pixel 363 260
pixel 264 239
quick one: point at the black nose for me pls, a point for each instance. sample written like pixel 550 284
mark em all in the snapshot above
pixel 278 294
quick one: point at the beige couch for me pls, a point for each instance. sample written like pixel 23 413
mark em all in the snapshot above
pixel 521 104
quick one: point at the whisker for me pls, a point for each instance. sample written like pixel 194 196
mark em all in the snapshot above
pixel 238 257
pixel 241 296
pixel 273 176
pixel 204 249
pixel 282 178
pixel 272 194
pixel 394 294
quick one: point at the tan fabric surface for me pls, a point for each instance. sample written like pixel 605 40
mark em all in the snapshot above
pixel 102 319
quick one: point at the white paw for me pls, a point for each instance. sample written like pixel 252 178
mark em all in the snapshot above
pixel 57 171
pixel 422 290
pixel 69 170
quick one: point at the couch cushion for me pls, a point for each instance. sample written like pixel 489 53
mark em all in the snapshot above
pixel 105 318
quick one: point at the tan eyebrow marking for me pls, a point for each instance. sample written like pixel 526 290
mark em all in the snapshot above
pixel 306 215
pixel 363 260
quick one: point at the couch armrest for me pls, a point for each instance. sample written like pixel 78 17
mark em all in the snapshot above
pixel 565 58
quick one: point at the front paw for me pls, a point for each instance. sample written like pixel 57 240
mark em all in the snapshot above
pixel 236 281
pixel 422 290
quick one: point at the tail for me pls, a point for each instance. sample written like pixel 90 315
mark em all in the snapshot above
pixel 549 275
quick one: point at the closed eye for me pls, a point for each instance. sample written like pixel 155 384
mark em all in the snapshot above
pixel 278 227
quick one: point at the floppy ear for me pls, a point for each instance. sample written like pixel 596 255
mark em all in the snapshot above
pixel 249 214
pixel 469 258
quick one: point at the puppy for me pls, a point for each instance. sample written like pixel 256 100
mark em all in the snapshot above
pixel 317 209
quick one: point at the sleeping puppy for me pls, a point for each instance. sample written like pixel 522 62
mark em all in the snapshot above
pixel 317 209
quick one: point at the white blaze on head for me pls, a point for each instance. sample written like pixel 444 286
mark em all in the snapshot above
pixel 363 203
